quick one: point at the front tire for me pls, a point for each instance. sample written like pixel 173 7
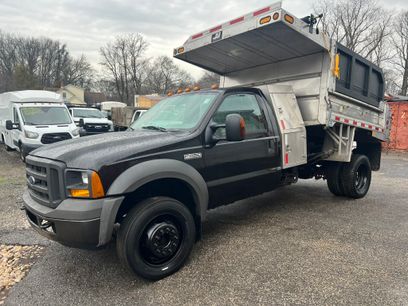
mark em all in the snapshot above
pixel 5 145
pixel 22 155
pixel 356 176
pixel 156 237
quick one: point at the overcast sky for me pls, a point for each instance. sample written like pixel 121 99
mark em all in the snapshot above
pixel 86 25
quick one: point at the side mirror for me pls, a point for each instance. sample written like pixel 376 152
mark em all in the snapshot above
pixel 234 127
pixel 9 125
pixel 81 122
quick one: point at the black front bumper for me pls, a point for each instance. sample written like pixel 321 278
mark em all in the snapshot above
pixel 75 222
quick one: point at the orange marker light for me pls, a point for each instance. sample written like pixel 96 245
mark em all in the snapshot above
pixel 196 88
pixel 170 93
pixel 79 193
pixel 97 187
pixel 179 91
pixel 289 18
pixel 265 20
pixel 188 89
pixel 214 86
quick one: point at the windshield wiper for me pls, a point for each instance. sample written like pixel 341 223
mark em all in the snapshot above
pixel 155 128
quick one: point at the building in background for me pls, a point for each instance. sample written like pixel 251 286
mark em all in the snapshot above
pixel 399 123
pixel 94 98
pixel 72 95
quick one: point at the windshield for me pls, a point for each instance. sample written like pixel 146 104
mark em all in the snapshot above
pixel 87 113
pixel 45 115
pixel 181 112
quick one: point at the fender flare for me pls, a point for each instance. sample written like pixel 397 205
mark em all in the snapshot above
pixel 148 171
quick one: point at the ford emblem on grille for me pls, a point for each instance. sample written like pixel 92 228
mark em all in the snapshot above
pixel 56 137
pixel 32 180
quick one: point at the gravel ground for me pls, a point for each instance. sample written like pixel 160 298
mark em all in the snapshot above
pixel 295 245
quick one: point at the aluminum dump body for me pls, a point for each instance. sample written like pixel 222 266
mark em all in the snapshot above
pixel 271 46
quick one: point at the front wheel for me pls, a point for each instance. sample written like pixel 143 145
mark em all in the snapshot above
pixel 356 176
pixel 156 237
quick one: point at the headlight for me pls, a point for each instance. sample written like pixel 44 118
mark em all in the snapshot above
pixel 84 184
pixel 75 132
pixel 31 135
pixel 111 128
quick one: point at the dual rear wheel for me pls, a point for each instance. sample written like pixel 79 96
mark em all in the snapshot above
pixel 351 179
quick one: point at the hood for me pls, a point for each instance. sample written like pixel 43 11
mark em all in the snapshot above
pixel 93 152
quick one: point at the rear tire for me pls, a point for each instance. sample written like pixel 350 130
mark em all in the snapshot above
pixel 156 237
pixel 334 180
pixel 356 176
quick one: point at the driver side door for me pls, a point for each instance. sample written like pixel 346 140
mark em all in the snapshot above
pixel 235 170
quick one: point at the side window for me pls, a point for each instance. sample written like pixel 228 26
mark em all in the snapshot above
pixel 247 106
pixel 15 115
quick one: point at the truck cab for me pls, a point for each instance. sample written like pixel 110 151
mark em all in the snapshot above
pixel 31 119
pixel 90 120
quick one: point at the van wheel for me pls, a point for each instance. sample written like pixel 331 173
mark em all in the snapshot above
pixel 333 176
pixel 356 176
pixel 156 237
pixel 22 155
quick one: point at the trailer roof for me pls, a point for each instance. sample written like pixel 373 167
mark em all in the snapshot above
pixel 263 36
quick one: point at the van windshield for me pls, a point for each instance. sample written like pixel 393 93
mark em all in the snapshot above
pixel 45 115
pixel 87 113
pixel 181 112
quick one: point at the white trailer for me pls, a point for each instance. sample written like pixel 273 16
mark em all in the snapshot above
pixel 32 118
pixel 311 81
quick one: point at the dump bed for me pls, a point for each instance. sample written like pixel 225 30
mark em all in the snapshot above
pixel 271 46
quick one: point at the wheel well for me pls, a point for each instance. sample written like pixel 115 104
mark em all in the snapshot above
pixel 168 187
pixel 370 147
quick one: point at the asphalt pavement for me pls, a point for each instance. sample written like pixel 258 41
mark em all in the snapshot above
pixel 295 245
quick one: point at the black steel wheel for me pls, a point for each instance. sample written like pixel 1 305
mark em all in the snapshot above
pixel 156 237
pixel 356 176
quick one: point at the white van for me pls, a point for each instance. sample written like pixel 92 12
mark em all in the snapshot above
pixel 32 118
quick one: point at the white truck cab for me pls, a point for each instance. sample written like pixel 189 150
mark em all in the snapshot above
pixel 32 118
pixel 90 120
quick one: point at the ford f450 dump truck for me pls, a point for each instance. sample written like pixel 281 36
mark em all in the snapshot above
pixel 292 104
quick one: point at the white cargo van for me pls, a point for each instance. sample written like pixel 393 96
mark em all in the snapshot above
pixel 32 118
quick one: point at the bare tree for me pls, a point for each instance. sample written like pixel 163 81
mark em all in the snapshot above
pixel 124 62
pixel 32 63
pixel 400 44
pixel 361 25
pixel 209 79
pixel 164 76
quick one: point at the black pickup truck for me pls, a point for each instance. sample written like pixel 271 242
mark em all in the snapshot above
pixel 154 183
